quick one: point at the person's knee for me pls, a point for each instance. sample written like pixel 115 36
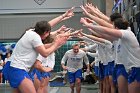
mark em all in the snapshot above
pixel 78 83
pixel 72 85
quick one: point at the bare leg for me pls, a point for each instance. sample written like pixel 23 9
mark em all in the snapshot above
pixel 107 84
pixel 0 77
pixel 72 87
pixel 15 90
pixel 27 86
pixel 78 85
pixel 122 84
pixel 36 82
pixel 45 88
pixel 104 85
pixel 101 86
pixel 134 87
pixel 112 85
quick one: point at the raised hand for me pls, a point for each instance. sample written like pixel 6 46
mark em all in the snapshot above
pixel 90 8
pixel 61 29
pixel 85 12
pixel 75 33
pixel 83 20
pixel 61 39
pixel 68 14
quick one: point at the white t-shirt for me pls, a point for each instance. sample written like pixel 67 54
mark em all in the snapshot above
pixel 88 40
pixel 75 61
pixel 97 58
pixel 24 53
pixel 128 50
pixel 104 51
pixel 109 53
pixel 91 47
pixel 114 49
pixel 6 59
pixel 47 61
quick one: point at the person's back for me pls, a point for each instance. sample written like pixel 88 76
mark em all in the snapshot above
pixel 24 54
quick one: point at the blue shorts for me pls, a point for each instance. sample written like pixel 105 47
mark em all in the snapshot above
pixel 101 71
pixel 119 70
pixel 134 74
pixel 96 70
pixel 72 76
pixel 40 74
pixel 105 70
pixel 111 67
pixel 31 74
pixel 14 75
pixel 1 71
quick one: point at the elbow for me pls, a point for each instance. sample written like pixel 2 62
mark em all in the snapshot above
pixel 44 54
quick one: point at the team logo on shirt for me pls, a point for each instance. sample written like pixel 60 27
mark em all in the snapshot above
pixel 76 59
pixel 119 47
pixel 113 48
pixel 39 2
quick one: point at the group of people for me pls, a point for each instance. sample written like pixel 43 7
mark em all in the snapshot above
pixel 3 60
pixel 118 50
pixel 117 59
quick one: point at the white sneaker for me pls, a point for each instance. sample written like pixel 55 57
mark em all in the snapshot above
pixel 55 78
pixel 97 82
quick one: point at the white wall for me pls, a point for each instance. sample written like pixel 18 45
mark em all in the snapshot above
pixel 18 15
pixel 34 6
pixel 12 26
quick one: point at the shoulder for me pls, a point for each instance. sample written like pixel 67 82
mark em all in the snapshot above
pixel 31 32
pixel 81 51
pixel 126 33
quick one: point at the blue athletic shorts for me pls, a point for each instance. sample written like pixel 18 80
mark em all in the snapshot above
pixel 14 75
pixel 101 71
pixel 119 70
pixel 111 67
pixel 72 76
pixel 31 74
pixel 40 74
pixel 134 74
pixel 105 70
pixel 96 70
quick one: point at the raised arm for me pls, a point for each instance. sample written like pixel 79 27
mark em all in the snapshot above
pixel 96 11
pixel 68 14
pixel 114 33
pixel 97 19
pixel 58 42
pixel 101 40
pixel 101 35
